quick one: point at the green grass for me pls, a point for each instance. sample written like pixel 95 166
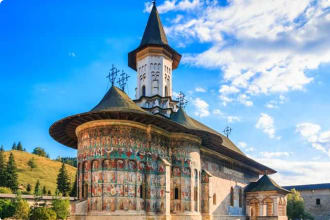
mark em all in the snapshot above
pixel 46 170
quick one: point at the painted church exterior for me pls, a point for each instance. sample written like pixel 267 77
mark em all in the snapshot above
pixel 147 159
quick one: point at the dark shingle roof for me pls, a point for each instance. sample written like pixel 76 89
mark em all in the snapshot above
pixel 309 187
pixel 154 32
pixel 265 183
pixel 117 100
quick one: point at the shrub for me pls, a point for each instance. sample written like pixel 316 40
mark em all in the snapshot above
pixel 22 209
pixel 61 207
pixel 5 190
pixel 7 208
pixel 42 213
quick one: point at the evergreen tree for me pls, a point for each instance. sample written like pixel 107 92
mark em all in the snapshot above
pixel 31 163
pixel 73 192
pixel 11 173
pixel 14 147
pixel 63 181
pixel 19 146
pixel 28 188
pixel 49 192
pixel 2 169
pixel 37 188
pixel 39 151
pixel 2 148
pixel 44 191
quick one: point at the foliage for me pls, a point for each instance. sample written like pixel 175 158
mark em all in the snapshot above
pixel 19 146
pixel 63 181
pixel 42 213
pixel 61 207
pixel 40 152
pixel 5 190
pixel 7 208
pixel 44 190
pixel 2 169
pixel 68 160
pixel 28 188
pixel 295 206
pixel 22 209
pixel 73 192
pixel 11 174
pixel 31 163
pixel 14 147
pixel 49 193
pixel 37 191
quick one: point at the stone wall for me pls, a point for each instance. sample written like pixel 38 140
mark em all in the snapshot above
pixel 322 211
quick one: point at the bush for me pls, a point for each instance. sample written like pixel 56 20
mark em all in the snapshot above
pixel 22 209
pixel 61 207
pixel 42 213
pixel 7 208
pixel 5 190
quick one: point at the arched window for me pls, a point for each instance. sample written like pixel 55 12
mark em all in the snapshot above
pixel 214 199
pixel 151 66
pixel 176 193
pixel 143 90
pixel 231 196
pixel 166 92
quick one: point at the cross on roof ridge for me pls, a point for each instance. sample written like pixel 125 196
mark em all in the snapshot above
pixel 113 75
pixel 182 100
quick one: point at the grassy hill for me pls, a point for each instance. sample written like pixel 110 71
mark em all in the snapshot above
pixel 46 170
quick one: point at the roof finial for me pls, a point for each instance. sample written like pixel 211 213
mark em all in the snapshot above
pixel 227 131
pixel 182 100
pixel 154 2
pixel 113 74
pixel 122 81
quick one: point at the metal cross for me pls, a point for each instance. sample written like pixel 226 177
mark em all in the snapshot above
pixel 182 100
pixel 122 81
pixel 113 75
pixel 227 131
pixel 153 2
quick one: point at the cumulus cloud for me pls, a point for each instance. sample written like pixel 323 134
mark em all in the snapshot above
pixel 297 172
pixel 228 118
pixel 202 107
pixel 262 47
pixel 312 134
pixel 200 89
pixel 174 5
pixel 274 154
pixel 276 102
pixel 266 124
pixel 243 146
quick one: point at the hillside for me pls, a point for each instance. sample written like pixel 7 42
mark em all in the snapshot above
pixel 46 170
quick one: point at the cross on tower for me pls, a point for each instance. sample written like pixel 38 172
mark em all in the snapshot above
pixel 227 131
pixel 122 81
pixel 113 75
pixel 182 100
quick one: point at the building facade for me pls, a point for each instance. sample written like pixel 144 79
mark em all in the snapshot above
pixel 316 198
pixel 147 159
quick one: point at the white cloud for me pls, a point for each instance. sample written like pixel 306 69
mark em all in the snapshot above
pixel 72 54
pixel 276 102
pixel 274 154
pixel 262 47
pixel 245 100
pixel 1 1
pixel 266 124
pixel 312 133
pixel 228 118
pixel 174 5
pixel 297 172
pixel 245 147
pixel 200 89
pixel 202 107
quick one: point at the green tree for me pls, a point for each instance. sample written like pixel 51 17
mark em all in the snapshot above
pixel 22 208
pixel 14 147
pixel 39 151
pixel 5 190
pixel 63 181
pixel 28 188
pixel 11 173
pixel 31 163
pixel 44 190
pixel 2 148
pixel 2 169
pixel 37 188
pixel 61 207
pixel 42 213
pixel 295 206
pixel 73 192
pixel 7 208
pixel 19 146
pixel 49 193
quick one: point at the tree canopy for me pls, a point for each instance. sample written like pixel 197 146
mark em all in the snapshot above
pixel 63 181
pixel 40 152
pixel 11 174
pixel 295 206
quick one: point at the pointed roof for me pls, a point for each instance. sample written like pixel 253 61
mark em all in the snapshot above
pixel 265 183
pixel 154 35
pixel 117 100
pixel 154 32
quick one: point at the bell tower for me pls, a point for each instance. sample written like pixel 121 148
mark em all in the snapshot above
pixel 154 60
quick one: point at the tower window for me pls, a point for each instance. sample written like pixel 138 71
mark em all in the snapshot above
pixel 143 91
pixel 166 92
pixel 240 202
pixel 318 201
pixel 141 191
pixel 176 193
pixel 214 199
pixel 231 196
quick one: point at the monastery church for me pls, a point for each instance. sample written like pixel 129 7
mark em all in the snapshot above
pixel 148 159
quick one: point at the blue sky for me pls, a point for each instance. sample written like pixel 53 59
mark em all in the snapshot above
pixel 261 68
